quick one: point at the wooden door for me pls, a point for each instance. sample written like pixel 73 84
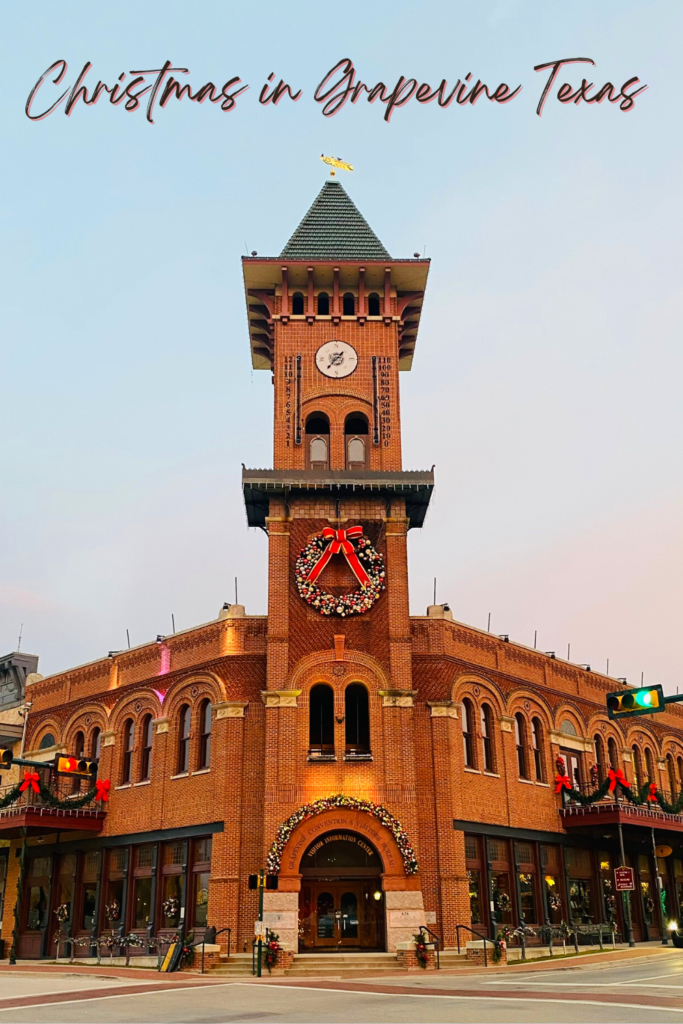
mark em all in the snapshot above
pixel 344 915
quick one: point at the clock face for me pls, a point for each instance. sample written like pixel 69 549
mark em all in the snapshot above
pixel 336 359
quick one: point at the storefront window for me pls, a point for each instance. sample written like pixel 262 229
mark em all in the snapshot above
pixel 474 882
pixel 89 907
pixel 502 897
pixel 201 898
pixel 609 899
pixel 552 874
pixel 174 892
pixel 142 902
pixel 580 901
pixel 37 907
pixel 526 895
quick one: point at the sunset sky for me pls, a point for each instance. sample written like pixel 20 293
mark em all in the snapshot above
pixel 546 387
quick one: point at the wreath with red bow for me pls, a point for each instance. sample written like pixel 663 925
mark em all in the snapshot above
pixel 364 560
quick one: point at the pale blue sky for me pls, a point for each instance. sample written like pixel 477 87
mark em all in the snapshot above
pixel 546 386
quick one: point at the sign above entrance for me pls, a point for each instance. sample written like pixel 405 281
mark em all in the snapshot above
pixel 623 879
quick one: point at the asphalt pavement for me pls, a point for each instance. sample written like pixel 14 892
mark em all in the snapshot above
pixel 645 989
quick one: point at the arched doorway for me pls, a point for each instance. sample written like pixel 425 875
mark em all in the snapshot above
pixel 341 902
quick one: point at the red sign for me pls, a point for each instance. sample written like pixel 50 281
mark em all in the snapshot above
pixel 623 879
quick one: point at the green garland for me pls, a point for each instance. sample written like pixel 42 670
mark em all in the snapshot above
pixel 636 797
pixel 13 795
pixel 10 796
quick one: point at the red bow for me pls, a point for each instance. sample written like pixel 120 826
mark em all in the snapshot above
pixel 31 780
pixel 562 781
pixel 617 776
pixel 652 795
pixel 102 786
pixel 340 540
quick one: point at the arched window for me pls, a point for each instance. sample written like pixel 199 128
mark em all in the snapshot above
pixel 568 728
pixel 323 304
pixel 520 741
pixel 184 719
pixel 355 435
pixel 487 737
pixel 205 736
pixel 297 304
pixel 671 772
pixel 321 721
pixel 357 719
pixel 680 772
pixel 48 740
pixel 638 776
pixel 147 738
pixel 613 753
pixel 318 438
pixel 128 743
pixel 348 305
pixel 537 745
pixel 96 743
pixel 373 304
pixel 79 752
pixel 467 725
pixel 599 756
pixel 650 765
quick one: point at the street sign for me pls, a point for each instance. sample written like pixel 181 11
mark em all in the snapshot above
pixel 623 879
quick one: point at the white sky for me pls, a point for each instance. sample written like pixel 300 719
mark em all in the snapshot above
pixel 546 386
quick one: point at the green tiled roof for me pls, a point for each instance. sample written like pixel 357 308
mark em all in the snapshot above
pixel 333 229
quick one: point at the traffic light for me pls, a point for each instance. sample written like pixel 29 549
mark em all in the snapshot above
pixel 5 757
pixel 83 766
pixel 646 700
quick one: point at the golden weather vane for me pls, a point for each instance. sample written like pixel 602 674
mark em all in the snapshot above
pixel 334 161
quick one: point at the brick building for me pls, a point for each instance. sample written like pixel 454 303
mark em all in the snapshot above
pixel 391 770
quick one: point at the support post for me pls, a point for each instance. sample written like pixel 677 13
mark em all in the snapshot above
pixel 660 890
pixel 625 901
pixel 261 886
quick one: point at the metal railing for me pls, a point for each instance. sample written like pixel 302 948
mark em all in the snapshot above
pixel 477 935
pixel 210 936
pixel 437 942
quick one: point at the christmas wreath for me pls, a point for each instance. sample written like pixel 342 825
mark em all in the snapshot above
pixel 171 907
pixel 327 803
pixel 421 950
pixel 112 910
pixel 365 561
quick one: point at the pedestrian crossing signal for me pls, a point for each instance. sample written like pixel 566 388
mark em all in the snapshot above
pixel 83 766
pixel 5 757
pixel 646 700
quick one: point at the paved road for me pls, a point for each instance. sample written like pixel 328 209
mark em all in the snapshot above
pixel 644 990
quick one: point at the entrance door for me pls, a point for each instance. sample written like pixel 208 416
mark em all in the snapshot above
pixel 343 915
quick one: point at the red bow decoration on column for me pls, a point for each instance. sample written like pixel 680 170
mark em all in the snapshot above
pixel 102 787
pixel 617 776
pixel 652 795
pixel 340 540
pixel 31 780
pixel 562 781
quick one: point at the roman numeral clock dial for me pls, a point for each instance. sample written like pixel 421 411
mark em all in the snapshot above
pixel 336 359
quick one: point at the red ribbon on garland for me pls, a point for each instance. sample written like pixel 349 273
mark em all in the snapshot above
pixel 562 781
pixel 617 776
pixel 102 786
pixel 652 795
pixel 31 780
pixel 340 540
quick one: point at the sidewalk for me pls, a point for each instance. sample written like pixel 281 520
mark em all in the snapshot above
pixel 570 962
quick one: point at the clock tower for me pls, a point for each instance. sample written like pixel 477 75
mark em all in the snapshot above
pixel 335 319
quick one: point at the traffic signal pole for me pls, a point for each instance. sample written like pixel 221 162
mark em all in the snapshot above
pixel 261 887
pixel 625 896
